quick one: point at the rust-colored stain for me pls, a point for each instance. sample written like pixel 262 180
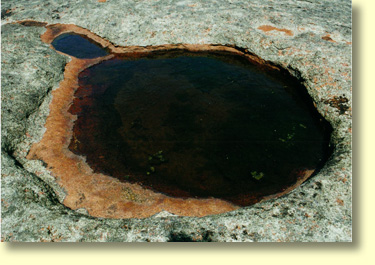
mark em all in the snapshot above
pixel 32 23
pixel 340 202
pixel 268 28
pixel 102 195
pixel 102 1
pixel 339 102
pixel 328 38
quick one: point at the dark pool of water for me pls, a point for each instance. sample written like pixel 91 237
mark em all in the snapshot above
pixel 197 125
pixel 78 46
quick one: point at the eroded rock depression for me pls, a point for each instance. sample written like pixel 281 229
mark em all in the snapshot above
pixel 190 129
pixel 315 52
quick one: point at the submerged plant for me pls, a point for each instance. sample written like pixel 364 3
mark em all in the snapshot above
pixel 257 175
pixel 157 158
pixel 154 160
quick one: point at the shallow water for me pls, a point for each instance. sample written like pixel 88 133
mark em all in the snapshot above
pixel 197 125
pixel 78 46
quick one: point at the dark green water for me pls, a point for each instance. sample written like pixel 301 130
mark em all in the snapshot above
pixel 197 125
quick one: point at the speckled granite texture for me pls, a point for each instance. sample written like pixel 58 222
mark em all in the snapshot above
pixel 311 39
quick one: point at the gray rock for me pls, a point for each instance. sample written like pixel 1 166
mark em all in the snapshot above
pixel 311 39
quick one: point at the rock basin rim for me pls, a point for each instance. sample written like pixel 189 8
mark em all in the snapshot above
pixel 138 203
pixel 312 40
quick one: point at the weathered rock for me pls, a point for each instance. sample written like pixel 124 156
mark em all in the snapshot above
pixel 311 40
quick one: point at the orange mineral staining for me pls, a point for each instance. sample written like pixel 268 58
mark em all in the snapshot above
pixel 102 195
pixel 328 38
pixel 268 29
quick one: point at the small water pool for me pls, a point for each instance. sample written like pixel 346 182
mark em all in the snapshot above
pixel 78 46
pixel 197 125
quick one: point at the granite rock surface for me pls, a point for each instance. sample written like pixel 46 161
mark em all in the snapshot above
pixel 310 39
